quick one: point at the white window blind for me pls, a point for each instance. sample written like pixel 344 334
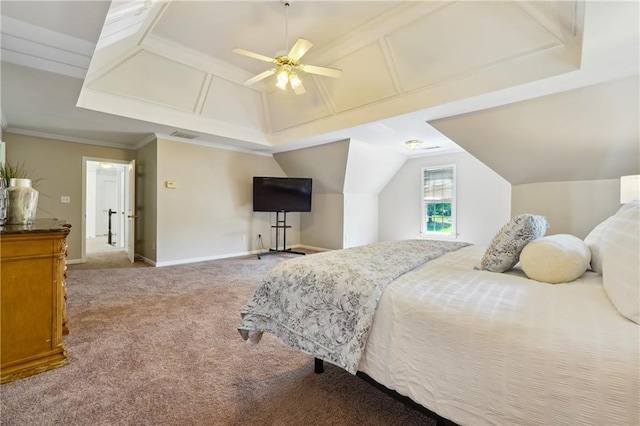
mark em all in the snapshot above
pixel 439 200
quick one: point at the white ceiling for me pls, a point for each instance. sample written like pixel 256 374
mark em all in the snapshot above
pixel 115 73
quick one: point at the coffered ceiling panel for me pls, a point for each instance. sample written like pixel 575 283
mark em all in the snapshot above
pixel 559 17
pixel 154 79
pixel 214 28
pixel 288 110
pixel 235 104
pixel 437 47
pixel 366 79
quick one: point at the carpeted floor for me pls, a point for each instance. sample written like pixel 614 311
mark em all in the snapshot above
pixel 159 346
pixel 101 255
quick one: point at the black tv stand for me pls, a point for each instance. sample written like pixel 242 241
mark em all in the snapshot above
pixel 280 224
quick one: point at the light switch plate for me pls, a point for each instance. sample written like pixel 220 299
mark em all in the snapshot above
pixel 65 199
pixel 171 184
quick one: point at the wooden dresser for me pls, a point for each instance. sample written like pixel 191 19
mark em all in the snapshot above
pixel 32 298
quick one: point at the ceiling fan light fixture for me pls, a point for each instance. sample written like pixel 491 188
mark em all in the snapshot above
pixel 282 78
pixel 286 63
pixel 294 80
pixel 413 143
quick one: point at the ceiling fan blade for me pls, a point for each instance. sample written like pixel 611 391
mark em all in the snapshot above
pixel 298 50
pixel 327 72
pixel 254 55
pixel 261 76
pixel 299 90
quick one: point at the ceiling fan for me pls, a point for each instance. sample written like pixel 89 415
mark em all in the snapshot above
pixel 287 64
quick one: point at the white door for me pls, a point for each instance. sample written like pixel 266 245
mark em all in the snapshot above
pixel 130 208
pixel 106 190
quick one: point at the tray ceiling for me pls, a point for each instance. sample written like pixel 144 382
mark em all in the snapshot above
pixel 171 62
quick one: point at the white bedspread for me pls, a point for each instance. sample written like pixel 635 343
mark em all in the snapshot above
pixel 481 348
pixel 324 304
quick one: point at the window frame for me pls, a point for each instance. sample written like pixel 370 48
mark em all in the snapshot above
pixel 454 202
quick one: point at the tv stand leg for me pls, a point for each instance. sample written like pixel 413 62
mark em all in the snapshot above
pixel 280 224
pixel 273 251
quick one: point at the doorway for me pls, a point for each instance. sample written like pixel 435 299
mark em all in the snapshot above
pixel 107 226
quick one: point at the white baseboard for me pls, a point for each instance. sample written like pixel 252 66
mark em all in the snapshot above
pixel 206 258
pixel 146 260
pixel 311 247
pixel 201 259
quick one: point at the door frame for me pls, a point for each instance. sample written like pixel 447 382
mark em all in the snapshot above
pixel 85 159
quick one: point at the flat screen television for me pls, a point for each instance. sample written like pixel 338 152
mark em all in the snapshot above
pixel 276 194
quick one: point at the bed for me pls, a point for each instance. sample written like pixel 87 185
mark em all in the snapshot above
pixel 472 345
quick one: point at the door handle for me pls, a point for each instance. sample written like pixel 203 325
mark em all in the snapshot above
pixel 132 216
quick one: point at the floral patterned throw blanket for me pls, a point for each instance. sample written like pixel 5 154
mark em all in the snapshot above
pixel 323 304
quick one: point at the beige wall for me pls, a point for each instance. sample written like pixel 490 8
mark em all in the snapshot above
pixel 210 214
pixel 147 201
pixel 347 177
pixel 327 166
pixel 323 228
pixel 483 200
pixel 59 164
pixel 574 207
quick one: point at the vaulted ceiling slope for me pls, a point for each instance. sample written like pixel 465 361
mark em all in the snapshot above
pixel 343 167
pixel 162 66
pixel 587 133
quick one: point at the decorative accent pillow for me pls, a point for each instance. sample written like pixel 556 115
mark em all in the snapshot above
pixel 620 270
pixel 504 251
pixel 559 258
pixel 594 239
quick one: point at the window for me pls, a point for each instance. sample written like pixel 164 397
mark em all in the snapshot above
pixel 439 200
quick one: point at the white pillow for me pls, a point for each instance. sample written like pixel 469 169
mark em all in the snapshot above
pixel 594 239
pixel 620 261
pixel 594 242
pixel 559 258
pixel 504 251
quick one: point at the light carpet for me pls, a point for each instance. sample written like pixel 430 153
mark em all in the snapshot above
pixel 159 346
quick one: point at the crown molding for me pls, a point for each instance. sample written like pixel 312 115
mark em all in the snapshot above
pixel 36 47
pixel 145 141
pixel 212 145
pixel 64 138
pixel 140 144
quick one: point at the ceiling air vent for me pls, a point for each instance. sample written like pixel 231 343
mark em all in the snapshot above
pixel 183 135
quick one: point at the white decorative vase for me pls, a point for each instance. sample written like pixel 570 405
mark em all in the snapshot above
pixel 22 202
pixel 3 200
